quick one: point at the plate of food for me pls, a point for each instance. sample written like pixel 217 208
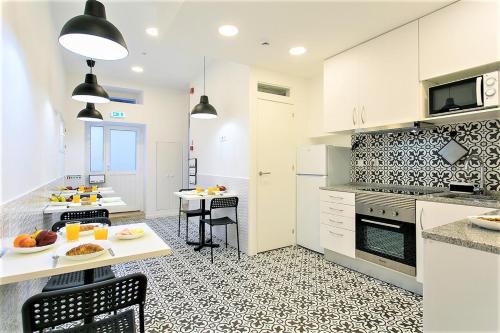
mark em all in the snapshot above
pixel 38 241
pixel 130 233
pixel 83 250
pixel 491 222
pixel 85 229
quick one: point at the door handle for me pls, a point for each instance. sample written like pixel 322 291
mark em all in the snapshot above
pixel 354 116
pixel 264 173
pixel 421 217
pixel 479 95
pixel 363 114
pixel 381 223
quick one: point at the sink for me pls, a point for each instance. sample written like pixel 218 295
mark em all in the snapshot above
pixel 472 197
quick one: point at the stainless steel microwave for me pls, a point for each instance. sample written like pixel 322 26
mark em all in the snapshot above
pixel 471 94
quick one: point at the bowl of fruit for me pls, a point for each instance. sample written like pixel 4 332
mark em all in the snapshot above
pixel 40 240
pixel 130 233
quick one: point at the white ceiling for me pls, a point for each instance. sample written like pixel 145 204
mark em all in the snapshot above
pixel 188 30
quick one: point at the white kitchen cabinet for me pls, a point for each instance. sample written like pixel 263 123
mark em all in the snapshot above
pixel 338 221
pixel 340 92
pixel 459 37
pixel 435 214
pixel 389 87
pixel 461 290
pixel 375 83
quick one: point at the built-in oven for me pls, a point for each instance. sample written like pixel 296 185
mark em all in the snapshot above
pixel 471 94
pixel 385 231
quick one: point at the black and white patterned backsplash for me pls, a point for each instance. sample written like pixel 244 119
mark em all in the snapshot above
pixel 411 159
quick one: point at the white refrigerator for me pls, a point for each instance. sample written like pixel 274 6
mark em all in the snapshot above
pixel 317 166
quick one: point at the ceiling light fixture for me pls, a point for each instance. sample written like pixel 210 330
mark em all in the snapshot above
pixel 228 30
pixel 298 50
pixel 92 36
pixel 152 31
pixel 89 91
pixel 137 69
pixel 89 113
pixel 204 110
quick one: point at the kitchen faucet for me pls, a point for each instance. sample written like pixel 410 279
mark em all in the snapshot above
pixel 469 157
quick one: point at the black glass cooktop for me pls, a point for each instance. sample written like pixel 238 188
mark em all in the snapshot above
pixel 397 190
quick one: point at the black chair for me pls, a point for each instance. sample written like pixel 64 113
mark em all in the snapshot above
pixel 189 213
pixel 47 310
pixel 84 214
pixel 218 203
pixel 76 279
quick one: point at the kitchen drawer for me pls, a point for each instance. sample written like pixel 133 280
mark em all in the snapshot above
pixel 338 221
pixel 337 209
pixel 338 240
pixel 345 198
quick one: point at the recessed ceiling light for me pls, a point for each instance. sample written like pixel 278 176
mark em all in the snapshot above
pixel 298 50
pixel 228 30
pixel 152 31
pixel 137 69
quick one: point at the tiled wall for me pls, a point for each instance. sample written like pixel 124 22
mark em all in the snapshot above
pixel 240 186
pixel 21 215
pixel 411 158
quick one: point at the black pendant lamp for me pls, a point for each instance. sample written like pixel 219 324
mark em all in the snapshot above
pixel 92 36
pixel 89 91
pixel 89 113
pixel 204 110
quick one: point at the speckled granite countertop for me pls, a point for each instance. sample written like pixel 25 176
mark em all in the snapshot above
pixel 433 197
pixel 464 233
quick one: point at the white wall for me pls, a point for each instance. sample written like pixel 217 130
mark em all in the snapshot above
pixel 33 92
pixel 224 162
pixel 164 115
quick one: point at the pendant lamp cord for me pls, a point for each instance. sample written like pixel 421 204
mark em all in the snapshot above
pixel 204 75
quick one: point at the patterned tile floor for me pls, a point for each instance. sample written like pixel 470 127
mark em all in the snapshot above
pixel 285 290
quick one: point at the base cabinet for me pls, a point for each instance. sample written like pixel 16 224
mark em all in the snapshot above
pixel 435 214
pixel 461 289
pixel 338 221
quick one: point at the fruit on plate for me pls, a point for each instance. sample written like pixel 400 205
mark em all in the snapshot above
pixel 130 232
pixel 57 198
pixel 21 237
pixel 221 187
pixel 46 237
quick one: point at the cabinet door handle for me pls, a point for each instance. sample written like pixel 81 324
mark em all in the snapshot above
pixel 336 234
pixel 421 218
pixel 354 116
pixel 338 222
pixel 363 114
pixel 338 210
pixel 332 197
pixel 381 223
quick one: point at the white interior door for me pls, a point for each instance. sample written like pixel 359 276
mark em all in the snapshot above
pixel 276 175
pixel 168 174
pixel 117 151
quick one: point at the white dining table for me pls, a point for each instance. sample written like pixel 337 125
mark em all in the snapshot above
pixel 16 267
pixel 70 206
pixel 202 197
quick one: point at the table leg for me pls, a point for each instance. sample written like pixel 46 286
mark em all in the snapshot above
pixel 203 243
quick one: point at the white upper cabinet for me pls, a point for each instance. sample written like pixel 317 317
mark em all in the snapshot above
pixel 389 86
pixel 459 37
pixel 374 84
pixel 340 92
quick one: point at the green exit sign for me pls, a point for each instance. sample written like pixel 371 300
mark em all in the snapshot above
pixel 117 114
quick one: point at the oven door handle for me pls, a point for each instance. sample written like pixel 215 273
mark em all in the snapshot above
pixel 382 223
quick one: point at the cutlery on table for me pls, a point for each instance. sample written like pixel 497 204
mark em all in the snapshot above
pixel 55 259
pixel 110 250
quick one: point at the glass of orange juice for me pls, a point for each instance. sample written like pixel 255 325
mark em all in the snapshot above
pixel 93 197
pixel 72 230
pixel 101 232
pixel 76 198
pixel 81 188
pixel 94 188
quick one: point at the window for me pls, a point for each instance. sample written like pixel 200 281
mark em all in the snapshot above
pixel 96 149
pixel 122 150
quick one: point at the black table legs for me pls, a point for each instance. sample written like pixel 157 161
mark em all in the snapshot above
pixel 202 243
